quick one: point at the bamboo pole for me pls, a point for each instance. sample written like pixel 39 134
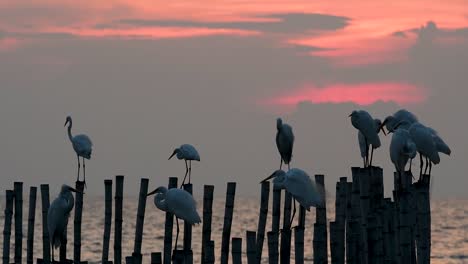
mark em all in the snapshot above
pixel 320 239
pixel 77 222
pixel 334 234
pixel 188 231
pixel 349 231
pixel 107 220
pixel 272 247
pixel 236 250
pixel 228 212
pixel 207 216
pixel 156 258
pixel 340 218
pixel 424 219
pixel 140 221
pixel 210 252
pixel 45 231
pixel 262 217
pixel 9 194
pixel 387 232
pixel 251 247
pixel 18 189
pixel 364 181
pixel 31 220
pixel 119 184
pixel 276 214
pixel 405 228
pixel 372 239
pixel 285 250
pixel 299 245
pixel 168 227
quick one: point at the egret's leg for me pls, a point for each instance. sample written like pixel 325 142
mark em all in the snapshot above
pixel 427 165
pixel 84 172
pixel 430 168
pixel 281 163
pixel 289 166
pixel 371 156
pixel 293 214
pixel 367 153
pixel 79 165
pixel 364 161
pixel 421 163
pixel 186 173
pixel 190 171
pixel 177 236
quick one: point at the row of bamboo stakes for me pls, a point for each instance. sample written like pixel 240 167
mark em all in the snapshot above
pixel 368 228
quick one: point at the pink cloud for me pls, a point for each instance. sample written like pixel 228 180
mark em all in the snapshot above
pixel 361 94
pixel 8 44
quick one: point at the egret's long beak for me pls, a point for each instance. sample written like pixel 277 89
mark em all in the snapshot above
pixel 66 122
pixel 383 130
pixel 173 153
pixel 350 115
pixel 381 127
pixel 269 177
pixel 151 193
pixel 75 190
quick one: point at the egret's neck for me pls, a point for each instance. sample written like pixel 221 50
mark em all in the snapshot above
pixel 70 200
pixel 69 130
pixel 160 202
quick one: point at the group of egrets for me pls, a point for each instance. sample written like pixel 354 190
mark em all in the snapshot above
pixel 176 201
pixel 410 137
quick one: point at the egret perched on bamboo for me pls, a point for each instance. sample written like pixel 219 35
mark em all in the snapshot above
pixel 364 122
pixel 402 149
pixel 364 145
pixel 188 153
pixel 298 183
pixel 57 216
pixel 284 141
pixel 177 202
pixel 82 145
pixel 401 115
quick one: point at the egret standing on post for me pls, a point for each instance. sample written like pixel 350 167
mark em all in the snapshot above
pixel 188 153
pixel 177 202
pixel 298 183
pixel 82 146
pixel 364 122
pixel 364 145
pixel 284 141
pixel 57 216
pixel 401 115
pixel 402 149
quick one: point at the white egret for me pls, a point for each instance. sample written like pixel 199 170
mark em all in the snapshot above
pixel 364 122
pixel 177 202
pixel 399 116
pixel 298 183
pixel 82 145
pixel 284 141
pixel 364 146
pixel 188 153
pixel 57 216
pixel 402 149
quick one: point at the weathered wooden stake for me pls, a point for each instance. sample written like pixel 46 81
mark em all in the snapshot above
pixel 31 220
pixel 299 244
pixel 119 184
pixel 7 226
pixel 236 250
pixel 349 231
pixel 228 212
pixel 405 228
pixel 77 222
pixel 265 194
pixel 107 220
pixel 251 247
pixel 320 241
pixel 207 216
pixel 18 188
pixel 45 231
pixel 364 181
pixel 272 247
pixel 156 258
pixel 140 221
pixel 188 231
pixel 168 227
pixel 424 219
pixel 340 219
pixel 285 250
pixel 334 237
pixel 210 252
pixel 276 214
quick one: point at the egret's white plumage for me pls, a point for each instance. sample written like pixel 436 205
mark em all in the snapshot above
pixel 284 141
pixel 82 145
pixel 363 145
pixel 57 216
pixel 188 153
pixel 178 202
pixel 366 125
pixel 298 183
pixel 399 116
pixel 402 148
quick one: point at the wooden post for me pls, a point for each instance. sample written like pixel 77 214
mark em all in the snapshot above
pixel 168 227
pixel 299 245
pixel 320 240
pixel 334 234
pixel 265 194
pixel 424 219
pixel 405 228
pixel 119 184
pixel 129 260
pixel 140 221
pixel 387 232
pixel 18 188
pixel 7 226
pixel 236 250
pixel 228 212
pixel 374 256
pixel 77 222
pixel 31 220
pixel 285 250
pixel 272 247
pixel 276 214
pixel 340 219
pixel 207 216
pixel 349 231
pixel 45 231
pixel 188 230
pixel 251 247
pixel 210 252
pixel 107 220
pixel 364 181
pixel 156 258
pixel 355 221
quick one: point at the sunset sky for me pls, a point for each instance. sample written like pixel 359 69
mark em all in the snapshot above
pixel 141 77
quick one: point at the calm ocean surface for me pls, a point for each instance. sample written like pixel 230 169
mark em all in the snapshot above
pixel 449 229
